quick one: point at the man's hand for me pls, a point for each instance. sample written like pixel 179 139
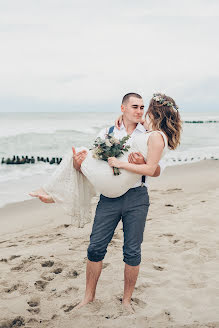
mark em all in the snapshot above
pixel 78 158
pixel 136 158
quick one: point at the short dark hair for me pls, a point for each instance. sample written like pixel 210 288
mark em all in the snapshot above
pixel 125 99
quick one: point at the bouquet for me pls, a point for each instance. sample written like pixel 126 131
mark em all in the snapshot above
pixel 110 147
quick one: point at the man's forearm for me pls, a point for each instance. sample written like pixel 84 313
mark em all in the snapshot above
pixel 157 172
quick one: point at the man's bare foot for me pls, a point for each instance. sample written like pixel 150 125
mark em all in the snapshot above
pixel 83 303
pixel 42 195
pixel 127 306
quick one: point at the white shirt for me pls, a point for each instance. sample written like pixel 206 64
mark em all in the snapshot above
pixel 119 134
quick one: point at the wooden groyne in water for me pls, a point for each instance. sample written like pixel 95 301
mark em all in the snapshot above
pixel 16 160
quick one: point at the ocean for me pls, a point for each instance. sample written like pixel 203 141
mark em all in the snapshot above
pixel 52 134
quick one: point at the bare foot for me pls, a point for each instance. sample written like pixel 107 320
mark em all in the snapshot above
pixel 127 306
pixel 83 303
pixel 42 195
pixel 38 192
pixel 46 199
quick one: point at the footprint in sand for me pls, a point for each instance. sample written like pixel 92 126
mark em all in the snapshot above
pixel 139 303
pixel 188 244
pixel 164 316
pixel 33 303
pixel 32 321
pixel 19 286
pixel 72 274
pixel 57 270
pixel 68 308
pixel 34 310
pixel 47 264
pixel 14 257
pixel 47 276
pixel 16 322
pixel 158 267
pixel 19 267
pixel 40 284
pixel 54 316
pixel 66 292
pixel 12 288
pixel 141 288
pixel 207 254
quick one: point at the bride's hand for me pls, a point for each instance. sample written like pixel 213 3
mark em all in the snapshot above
pixel 114 162
pixel 78 158
pixel 118 122
pixel 136 158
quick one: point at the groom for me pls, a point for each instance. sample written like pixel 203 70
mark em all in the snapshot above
pixel 132 208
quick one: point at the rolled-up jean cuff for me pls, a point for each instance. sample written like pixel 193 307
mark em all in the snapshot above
pixel 94 258
pixel 133 261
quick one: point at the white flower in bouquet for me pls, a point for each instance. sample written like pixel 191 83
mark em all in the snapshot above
pixel 108 143
pixel 110 147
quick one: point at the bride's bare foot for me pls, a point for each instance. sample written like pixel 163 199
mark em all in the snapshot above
pixel 46 199
pixel 38 192
pixel 42 195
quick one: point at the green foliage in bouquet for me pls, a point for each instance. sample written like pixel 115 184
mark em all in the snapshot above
pixel 110 147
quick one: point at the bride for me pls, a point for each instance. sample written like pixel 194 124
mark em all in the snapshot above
pixel 74 189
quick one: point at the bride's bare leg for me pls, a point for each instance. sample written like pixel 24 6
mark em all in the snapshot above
pixel 42 195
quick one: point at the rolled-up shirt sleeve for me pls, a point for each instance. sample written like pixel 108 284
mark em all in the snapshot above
pixel 102 133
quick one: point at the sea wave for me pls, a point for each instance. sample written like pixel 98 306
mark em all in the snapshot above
pixel 10 129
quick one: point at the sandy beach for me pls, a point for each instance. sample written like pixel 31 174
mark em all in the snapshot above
pixel 43 261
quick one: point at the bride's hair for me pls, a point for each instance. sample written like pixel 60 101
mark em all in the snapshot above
pixel 164 116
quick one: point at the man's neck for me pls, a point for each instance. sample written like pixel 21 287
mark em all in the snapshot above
pixel 129 126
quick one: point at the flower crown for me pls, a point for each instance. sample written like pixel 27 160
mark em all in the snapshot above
pixel 158 97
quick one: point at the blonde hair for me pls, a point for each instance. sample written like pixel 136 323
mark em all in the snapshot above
pixel 166 118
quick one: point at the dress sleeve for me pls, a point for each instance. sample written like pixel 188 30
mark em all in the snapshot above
pixel 163 165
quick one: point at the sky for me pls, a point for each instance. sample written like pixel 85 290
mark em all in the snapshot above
pixel 68 55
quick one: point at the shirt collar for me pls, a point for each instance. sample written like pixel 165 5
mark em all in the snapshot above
pixel 139 127
pixel 122 126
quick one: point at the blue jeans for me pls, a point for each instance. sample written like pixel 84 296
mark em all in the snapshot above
pixel 132 208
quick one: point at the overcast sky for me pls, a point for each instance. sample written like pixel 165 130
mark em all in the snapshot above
pixel 68 55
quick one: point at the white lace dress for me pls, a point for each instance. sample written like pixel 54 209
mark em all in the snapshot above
pixel 74 190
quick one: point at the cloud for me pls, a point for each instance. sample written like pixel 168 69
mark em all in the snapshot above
pixel 91 53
